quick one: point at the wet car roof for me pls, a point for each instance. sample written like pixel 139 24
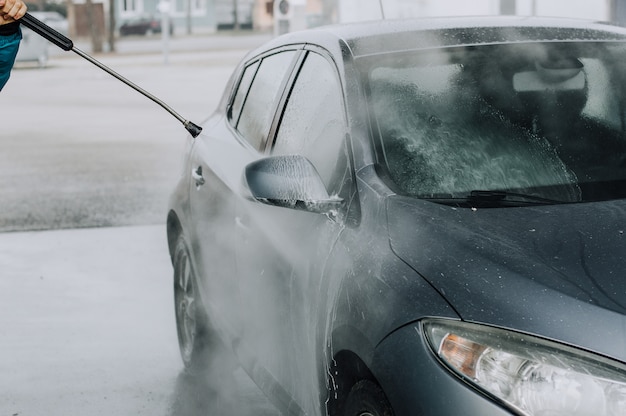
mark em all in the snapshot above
pixel 374 37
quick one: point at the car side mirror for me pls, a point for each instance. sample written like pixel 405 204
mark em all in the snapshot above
pixel 289 182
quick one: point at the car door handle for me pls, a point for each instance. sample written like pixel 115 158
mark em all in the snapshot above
pixel 196 174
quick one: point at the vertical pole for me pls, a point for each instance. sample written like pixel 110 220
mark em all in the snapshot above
pixel 112 23
pixel 507 7
pixel 71 18
pixel 188 17
pixel 235 15
pixel 618 12
pixel 94 26
pixel 164 8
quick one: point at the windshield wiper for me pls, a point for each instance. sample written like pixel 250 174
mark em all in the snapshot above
pixel 505 197
pixel 494 199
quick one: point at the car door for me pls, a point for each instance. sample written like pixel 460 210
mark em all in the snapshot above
pixel 217 161
pixel 281 253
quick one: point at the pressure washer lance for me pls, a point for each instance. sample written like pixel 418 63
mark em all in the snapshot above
pixel 66 44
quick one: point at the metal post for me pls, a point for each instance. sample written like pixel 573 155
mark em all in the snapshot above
pixel 508 7
pixel 164 8
pixel 112 24
pixel 618 12
pixel 235 15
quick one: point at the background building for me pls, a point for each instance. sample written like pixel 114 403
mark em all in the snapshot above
pixel 96 18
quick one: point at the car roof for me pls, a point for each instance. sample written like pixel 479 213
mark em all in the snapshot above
pixel 382 36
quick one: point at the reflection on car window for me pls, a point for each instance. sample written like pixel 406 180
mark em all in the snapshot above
pixel 544 122
pixel 257 113
pixel 315 96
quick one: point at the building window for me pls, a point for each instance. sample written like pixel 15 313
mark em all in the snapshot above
pixel 196 6
pixel 131 6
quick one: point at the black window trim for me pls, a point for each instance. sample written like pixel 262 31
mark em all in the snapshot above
pixel 282 102
pixel 229 107
pixel 295 71
pixel 287 82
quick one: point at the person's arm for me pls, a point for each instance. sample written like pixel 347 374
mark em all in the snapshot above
pixel 10 35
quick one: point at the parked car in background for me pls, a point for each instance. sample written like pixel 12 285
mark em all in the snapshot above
pixel 143 25
pixel 414 217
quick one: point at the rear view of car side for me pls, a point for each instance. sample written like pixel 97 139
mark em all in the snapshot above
pixel 414 217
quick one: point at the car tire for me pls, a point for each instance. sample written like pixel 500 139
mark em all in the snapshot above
pixel 195 337
pixel 366 398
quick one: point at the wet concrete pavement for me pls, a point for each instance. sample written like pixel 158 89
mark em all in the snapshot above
pixel 87 328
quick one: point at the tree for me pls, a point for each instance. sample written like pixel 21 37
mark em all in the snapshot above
pixel 94 27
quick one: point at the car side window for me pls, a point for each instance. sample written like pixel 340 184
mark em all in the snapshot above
pixel 242 91
pixel 257 107
pixel 313 123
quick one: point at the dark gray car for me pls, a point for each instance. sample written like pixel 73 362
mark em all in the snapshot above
pixel 421 217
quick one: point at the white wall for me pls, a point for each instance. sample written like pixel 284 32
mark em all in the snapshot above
pixel 359 10
pixel 586 9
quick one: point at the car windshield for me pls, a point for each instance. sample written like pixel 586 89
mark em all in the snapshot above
pixel 523 123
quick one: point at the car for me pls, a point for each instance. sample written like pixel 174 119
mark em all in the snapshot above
pixel 413 217
pixel 143 25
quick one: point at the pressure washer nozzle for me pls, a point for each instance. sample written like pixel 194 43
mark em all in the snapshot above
pixel 193 129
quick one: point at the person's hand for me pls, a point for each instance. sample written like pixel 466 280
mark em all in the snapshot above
pixel 11 10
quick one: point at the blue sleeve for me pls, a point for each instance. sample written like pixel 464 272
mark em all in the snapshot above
pixel 9 45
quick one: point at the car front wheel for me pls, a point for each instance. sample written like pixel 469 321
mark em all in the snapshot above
pixel 191 321
pixel 366 398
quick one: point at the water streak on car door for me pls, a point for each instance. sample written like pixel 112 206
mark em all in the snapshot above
pixel 216 164
pixel 281 254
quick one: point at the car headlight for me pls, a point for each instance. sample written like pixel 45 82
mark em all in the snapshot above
pixel 530 375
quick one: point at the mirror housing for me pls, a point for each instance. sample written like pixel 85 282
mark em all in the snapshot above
pixel 289 182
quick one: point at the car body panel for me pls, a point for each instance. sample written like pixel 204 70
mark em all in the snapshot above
pixel 280 268
pixel 444 391
pixel 556 258
pixel 212 159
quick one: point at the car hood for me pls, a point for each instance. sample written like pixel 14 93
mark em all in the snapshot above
pixel 554 271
